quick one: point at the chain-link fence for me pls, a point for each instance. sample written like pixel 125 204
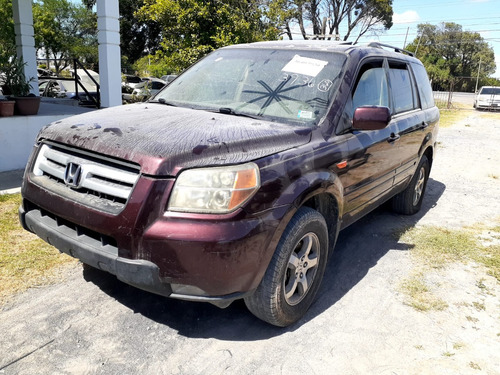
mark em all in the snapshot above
pixel 447 94
pixel 457 92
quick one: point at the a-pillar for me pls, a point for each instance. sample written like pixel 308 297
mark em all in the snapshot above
pixel 25 40
pixel 108 27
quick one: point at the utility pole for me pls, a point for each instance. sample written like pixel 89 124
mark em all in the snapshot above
pixel 478 69
pixel 404 45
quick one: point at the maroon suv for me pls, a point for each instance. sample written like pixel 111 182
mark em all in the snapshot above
pixel 235 180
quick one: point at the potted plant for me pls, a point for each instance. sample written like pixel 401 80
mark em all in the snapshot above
pixel 18 87
pixel 6 107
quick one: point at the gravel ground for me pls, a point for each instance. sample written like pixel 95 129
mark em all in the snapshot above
pixel 359 324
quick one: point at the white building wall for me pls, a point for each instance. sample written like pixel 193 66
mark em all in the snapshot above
pixel 108 27
pixel 25 41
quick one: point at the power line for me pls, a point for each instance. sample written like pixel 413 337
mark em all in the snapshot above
pixel 454 20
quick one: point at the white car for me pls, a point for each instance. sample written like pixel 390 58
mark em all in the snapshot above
pixel 144 90
pixel 488 97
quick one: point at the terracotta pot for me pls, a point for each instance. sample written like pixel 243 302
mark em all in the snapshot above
pixel 27 105
pixel 7 108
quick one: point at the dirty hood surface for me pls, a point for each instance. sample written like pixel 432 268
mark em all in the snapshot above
pixel 164 140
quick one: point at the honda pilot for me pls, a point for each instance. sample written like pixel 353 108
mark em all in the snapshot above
pixel 234 181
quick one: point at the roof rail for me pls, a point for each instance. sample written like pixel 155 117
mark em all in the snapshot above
pixel 396 49
pixel 329 37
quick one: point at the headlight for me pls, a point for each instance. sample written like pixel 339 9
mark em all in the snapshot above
pixel 214 190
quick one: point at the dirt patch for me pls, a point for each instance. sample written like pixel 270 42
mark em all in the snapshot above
pixel 360 324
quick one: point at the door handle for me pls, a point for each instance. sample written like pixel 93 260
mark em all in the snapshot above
pixel 393 138
pixel 423 125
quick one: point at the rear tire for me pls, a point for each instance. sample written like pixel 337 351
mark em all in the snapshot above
pixel 294 275
pixel 409 201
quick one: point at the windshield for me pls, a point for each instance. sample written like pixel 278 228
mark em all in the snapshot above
pixel 490 91
pixel 294 87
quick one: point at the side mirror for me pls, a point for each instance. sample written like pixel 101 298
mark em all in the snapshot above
pixel 371 118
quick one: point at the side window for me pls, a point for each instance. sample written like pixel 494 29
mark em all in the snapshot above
pixel 424 87
pixel 157 85
pixel 371 88
pixel 402 87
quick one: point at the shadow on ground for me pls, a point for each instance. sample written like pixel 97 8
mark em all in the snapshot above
pixel 358 249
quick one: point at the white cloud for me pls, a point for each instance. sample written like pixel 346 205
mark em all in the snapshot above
pixel 406 17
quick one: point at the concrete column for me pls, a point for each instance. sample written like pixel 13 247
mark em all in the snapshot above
pixel 25 40
pixel 108 27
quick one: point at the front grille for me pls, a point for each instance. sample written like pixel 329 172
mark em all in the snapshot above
pixel 91 179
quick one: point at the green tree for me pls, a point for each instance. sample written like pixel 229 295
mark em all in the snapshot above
pixel 7 36
pixel 63 31
pixel 138 37
pixel 447 51
pixel 331 16
pixel 192 28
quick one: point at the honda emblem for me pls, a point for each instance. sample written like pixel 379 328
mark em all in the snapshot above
pixel 72 175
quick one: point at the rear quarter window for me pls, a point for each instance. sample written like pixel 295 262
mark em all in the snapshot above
pixel 423 85
pixel 402 87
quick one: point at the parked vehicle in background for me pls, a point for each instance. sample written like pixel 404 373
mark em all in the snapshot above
pixel 130 80
pixel 89 79
pixel 235 180
pixel 169 78
pixel 66 88
pixel 128 84
pixel 488 97
pixel 45 73
pixel 146 89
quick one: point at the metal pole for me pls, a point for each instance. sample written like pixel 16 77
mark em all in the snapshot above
pixel 478 69
pixel 404 45
pixel 419 39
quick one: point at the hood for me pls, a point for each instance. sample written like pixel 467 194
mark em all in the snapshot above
pixel 164 140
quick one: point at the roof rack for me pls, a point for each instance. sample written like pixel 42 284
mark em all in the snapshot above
pixel 328 37
pixel 396 49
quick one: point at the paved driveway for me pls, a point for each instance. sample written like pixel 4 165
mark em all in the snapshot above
pixel 359 324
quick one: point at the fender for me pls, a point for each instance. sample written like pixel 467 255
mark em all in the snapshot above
pixel 294 196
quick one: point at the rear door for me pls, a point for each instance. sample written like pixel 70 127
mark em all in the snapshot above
pixel 408 117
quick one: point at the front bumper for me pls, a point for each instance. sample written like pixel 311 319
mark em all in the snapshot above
pixel 488 105
pixel 99 253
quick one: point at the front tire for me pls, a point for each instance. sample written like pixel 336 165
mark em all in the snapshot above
pixel 409 201
pixel 294 275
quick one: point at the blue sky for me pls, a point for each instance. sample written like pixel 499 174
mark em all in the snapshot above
pixel 481 16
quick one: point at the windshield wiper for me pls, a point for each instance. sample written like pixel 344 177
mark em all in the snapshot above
pixel 230 111
pixel 163 101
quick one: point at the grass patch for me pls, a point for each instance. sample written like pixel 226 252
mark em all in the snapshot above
pixel 474 366
pixel 449 117
pixel 25 260
pixel 479 306
pixel 490 115
pixel 471 319
pixel 434 247
pixel 420 295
